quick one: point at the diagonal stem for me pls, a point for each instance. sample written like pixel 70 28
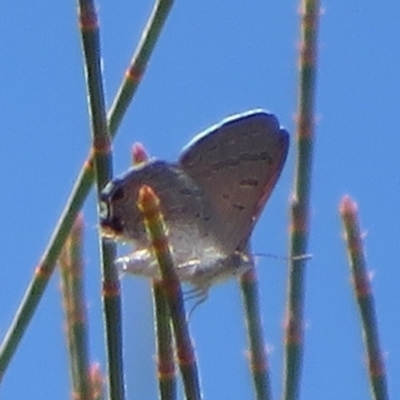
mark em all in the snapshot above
pixel 365 299
pixel 166 371
pixel 149 205
pixel 81 188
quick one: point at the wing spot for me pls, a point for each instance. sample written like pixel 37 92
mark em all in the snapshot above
pixel 264 155
pixel 246 157
pixel 178 210
pixel 249 182
pixel 238 206
pixel 185 192
pixel 229 162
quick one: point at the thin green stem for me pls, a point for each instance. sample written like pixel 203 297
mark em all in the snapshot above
pixel 80 191
pixel 138 64
pixel 148 203
pixel 166 371
pixel 164 345
pixel 258 358
pixel 363 295
pixel 71 267
pixel 102 161
pixel 294 335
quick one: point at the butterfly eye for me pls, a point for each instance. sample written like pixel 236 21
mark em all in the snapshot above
pixel 118 194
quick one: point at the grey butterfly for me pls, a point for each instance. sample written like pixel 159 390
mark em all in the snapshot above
pixel 211 199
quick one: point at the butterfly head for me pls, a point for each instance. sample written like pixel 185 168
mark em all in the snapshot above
pixel 115 202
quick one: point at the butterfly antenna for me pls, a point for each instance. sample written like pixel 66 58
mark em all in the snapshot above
pixel 302 257
pixel 294 258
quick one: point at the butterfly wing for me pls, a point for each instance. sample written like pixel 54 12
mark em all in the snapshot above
pixel 185 208
pixel 237 164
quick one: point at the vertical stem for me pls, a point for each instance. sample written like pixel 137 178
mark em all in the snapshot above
pixel 72 285
pixel 164 345
pixel 101 148
pixel 294 340
pixel 258 358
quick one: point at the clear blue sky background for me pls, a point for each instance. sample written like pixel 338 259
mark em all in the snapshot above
pixel 214 59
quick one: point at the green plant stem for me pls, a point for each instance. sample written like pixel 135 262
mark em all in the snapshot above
pixel 138 64
pixel 102 161
pixel 164 345
pixel 148 203
pixel 166 372
pixel 294 334
pixel 80 190
pixel 71 267
pixel 363 294
pixel 258 358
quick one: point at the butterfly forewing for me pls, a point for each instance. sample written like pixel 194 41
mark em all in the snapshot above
pixel 237 164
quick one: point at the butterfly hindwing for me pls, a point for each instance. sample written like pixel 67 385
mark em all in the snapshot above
pixel 182 202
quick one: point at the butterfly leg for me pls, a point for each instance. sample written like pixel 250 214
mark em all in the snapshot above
pixel 198 293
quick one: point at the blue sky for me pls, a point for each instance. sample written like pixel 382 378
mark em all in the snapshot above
pixel 214 59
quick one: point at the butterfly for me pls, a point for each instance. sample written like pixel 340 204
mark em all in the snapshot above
pixel 211 199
